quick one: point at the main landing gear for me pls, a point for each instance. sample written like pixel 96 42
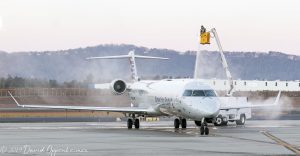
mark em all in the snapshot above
pixel 178 122
pixel 203 127
pixel 133 121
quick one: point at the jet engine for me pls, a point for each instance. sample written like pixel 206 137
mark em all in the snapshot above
pixel 118 86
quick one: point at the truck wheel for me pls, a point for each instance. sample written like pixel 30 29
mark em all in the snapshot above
pixel 242 120
pixel 224 123
pixel 218 121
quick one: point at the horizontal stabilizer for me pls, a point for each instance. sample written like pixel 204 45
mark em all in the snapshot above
pixel 131 57
pixel 150 57
pixel 109 57
pixel 127 56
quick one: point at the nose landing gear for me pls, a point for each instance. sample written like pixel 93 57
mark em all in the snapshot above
pixel 203 128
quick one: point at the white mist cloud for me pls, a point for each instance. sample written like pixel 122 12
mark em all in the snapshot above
pixel 285 105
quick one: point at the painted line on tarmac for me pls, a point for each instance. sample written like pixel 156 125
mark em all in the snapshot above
pixel 245 139
pixel 281 142
pixel 188 131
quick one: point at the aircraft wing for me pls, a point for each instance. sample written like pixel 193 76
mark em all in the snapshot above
pixel 253 106
pixel 108 109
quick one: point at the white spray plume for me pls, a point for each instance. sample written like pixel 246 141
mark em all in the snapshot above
pixel 285 105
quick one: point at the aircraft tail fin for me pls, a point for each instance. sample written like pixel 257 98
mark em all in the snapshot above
pixel 131 56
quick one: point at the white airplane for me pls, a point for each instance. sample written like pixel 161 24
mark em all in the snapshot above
pixel 183 98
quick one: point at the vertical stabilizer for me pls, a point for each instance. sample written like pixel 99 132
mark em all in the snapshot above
pixel 134 75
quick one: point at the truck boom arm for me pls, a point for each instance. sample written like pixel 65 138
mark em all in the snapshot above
pixel 224 62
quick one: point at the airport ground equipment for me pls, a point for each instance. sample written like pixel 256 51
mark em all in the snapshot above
pixel 238 112
pixel 238 115
pixel 233 115
pixel 205 39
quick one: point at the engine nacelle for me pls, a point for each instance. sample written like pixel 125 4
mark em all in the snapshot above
pixel 118 86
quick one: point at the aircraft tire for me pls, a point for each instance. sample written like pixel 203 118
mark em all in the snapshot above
pixel 129 123
pixel 202 130
pixel 206 130
pixel 137 123
pixel 176 123
pixel 183 123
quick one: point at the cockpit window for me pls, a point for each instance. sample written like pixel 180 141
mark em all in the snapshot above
pixel 209 93
pixel 206 93
pixel 187 93
pixel 198 93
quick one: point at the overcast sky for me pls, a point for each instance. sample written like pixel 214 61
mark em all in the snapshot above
pixel 243 25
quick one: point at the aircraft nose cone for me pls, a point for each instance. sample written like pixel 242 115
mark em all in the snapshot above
pixel 212 109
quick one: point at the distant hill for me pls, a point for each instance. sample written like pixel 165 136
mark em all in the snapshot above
pixel 66 65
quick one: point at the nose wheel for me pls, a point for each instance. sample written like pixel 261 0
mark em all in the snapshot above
pixel 203 128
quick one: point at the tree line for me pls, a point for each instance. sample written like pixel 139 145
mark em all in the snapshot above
pixel 20 82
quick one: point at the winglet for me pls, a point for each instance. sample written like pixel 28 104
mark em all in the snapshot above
pixel 15 99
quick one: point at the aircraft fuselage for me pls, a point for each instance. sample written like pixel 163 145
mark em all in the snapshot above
pixel 186 98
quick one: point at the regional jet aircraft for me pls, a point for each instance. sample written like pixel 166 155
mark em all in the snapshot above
pixel 183 98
